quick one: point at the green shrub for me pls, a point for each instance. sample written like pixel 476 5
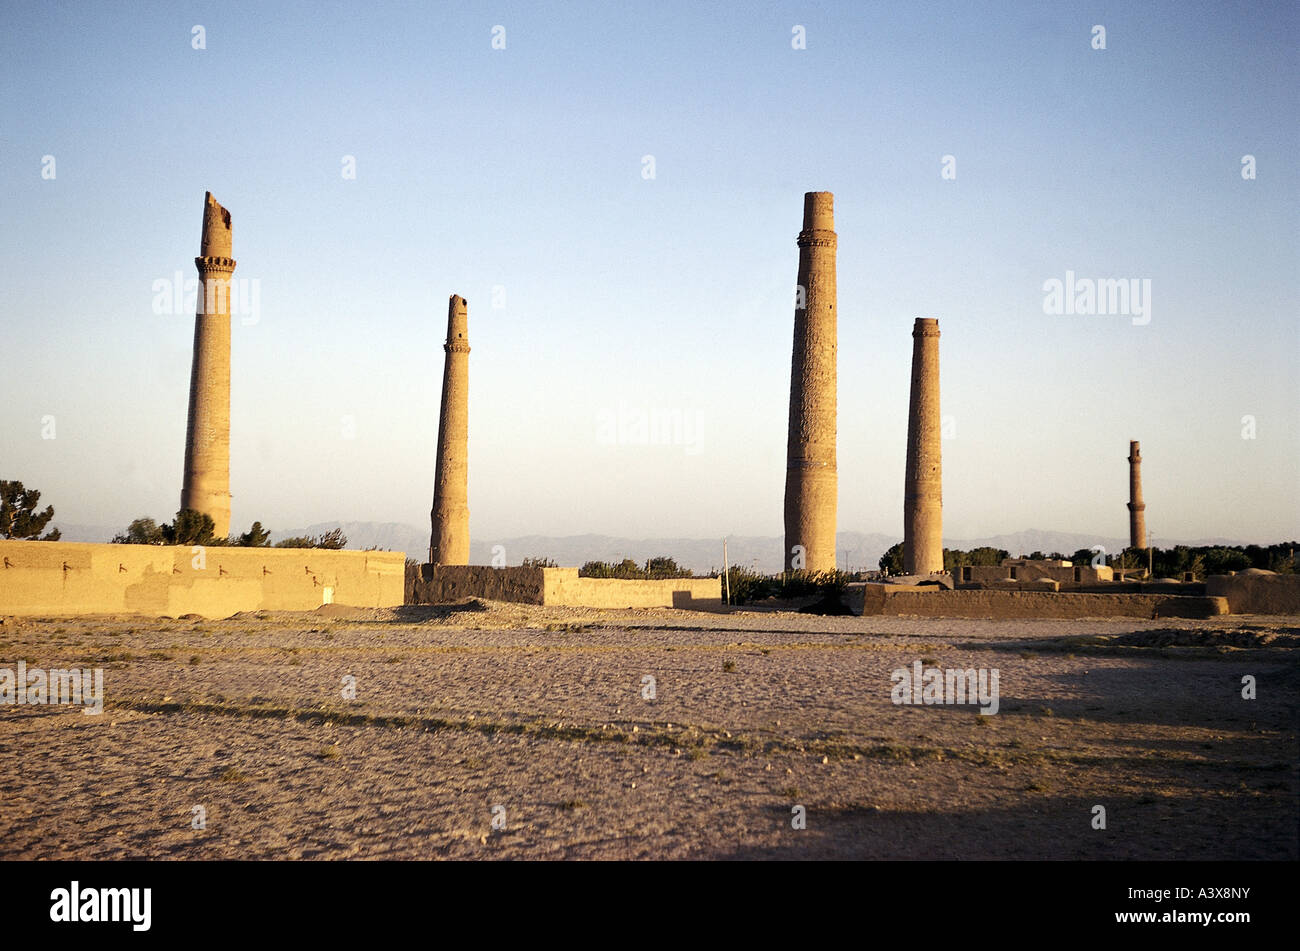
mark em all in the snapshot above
pixel 658 567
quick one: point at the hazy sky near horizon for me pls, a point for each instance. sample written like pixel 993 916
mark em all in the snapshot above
pixel 518 177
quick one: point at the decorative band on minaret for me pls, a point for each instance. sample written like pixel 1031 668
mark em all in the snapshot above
pixel 206 482
pixel 923 482
pixel 449 543
pixel 811 482
pixel 1137 520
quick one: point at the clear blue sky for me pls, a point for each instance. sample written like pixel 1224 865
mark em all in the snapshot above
pixel 523 168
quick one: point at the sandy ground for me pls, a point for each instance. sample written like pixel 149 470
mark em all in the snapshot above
pixel 539 711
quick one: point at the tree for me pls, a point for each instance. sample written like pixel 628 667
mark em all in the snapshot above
pixel 661 566
pixel 892 560
pixel 296 541
pixel 333 540
pixel 255 537
pixel 190 527
pixel 18 516
pixel 596 569
pixel 1282 558
pixel 142 531
pixel 1258 556
pixel 1220 559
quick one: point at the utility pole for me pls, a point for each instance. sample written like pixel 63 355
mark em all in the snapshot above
pixel 726 574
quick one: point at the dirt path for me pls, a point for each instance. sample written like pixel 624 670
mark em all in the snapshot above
pixel 540 711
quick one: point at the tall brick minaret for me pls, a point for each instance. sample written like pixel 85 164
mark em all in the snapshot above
pixel 923 482
pixel 449 543
pixel 1137 519
pixel 206 483
pixel 811 482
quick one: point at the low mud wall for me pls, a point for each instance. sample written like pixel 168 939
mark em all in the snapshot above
pixel 986 603
pixel 71 578
pixel 1262 593
pixel 434 584
pixel 437 584
pixel 985 574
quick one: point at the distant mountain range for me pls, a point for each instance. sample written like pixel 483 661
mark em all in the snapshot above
pixel 763 553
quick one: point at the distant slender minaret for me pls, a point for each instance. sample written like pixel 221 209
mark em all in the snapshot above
pixel 1137 520
pixel 206 483
pixel 923 482
pixel 449 544
pixel 811 482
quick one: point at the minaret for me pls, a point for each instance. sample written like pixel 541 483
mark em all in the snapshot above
pixel 923 482
pixel 811 483
pixel 449 544
pixel 1137 520
pixel 206 483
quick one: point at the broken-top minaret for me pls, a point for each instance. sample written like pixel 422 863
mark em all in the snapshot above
pixel 206 483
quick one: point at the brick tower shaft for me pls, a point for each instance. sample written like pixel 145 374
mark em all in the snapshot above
pixel 449 543
pixel 1137 519
pixel 811 482
pixel 923 482
pixel 206 482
